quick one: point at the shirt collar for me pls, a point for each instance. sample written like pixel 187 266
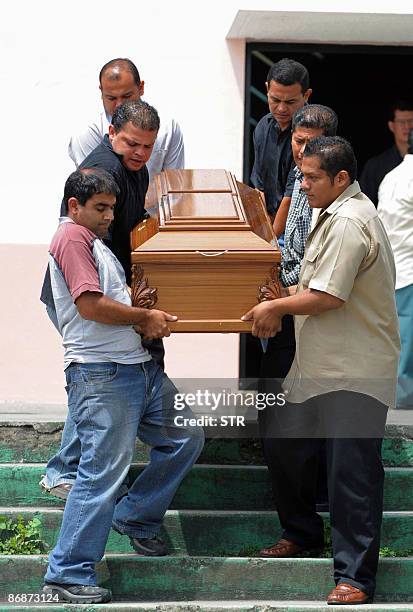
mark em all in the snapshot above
pixel 65 219
pixel 298 174
pixel 408 158
pixel 351 191
pixel 108 144
pixel 272 121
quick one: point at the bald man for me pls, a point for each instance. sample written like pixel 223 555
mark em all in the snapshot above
pixel 119 81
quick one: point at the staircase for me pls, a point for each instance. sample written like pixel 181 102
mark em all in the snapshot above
pixel 220 517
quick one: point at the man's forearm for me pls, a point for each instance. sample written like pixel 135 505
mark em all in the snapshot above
pixel 102 309
pixel 307 302
pixel 281 216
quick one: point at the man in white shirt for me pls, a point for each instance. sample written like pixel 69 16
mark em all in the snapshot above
pixel 119 81
pixel 395 209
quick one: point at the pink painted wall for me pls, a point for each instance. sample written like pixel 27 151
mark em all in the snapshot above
pixel 31 356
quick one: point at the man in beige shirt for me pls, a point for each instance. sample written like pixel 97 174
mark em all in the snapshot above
pixel 343 377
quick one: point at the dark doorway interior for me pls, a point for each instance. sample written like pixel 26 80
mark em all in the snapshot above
pixel 358 82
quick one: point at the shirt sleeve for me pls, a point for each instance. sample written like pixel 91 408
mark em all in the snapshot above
pixel 175 155
pixel 339 259
pixel 290 182
pixel 256 178
pixel 73 254
pixel 369 183
pixel 291 276
pixel 83 143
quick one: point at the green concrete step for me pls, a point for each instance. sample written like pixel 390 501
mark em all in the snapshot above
pixel 215 533
pixel 37 442
pixel 205 488
pixel 204 606
pixel 207 578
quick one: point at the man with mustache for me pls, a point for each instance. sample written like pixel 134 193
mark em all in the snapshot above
pixel 344 373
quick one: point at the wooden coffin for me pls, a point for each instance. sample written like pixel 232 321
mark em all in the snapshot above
pixel 206 252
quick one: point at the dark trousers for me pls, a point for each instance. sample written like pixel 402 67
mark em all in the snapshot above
pixel 156 349
pixel 275 365
pixel 351 425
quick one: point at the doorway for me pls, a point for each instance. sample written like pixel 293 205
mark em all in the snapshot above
pixel 359 82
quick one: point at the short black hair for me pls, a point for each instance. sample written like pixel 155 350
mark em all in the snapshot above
pixel 117 65
pixel 140 113
pixel 404 104
pixel 289 72
pixel 316 117
pixel 410 142
pixel 84 183
pixel 335 154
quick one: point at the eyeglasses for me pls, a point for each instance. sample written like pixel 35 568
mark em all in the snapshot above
pixel 408 122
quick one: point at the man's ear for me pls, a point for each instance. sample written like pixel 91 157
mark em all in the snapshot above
pixel 141 88
pixel 342 178
pixel 390 125
pixel 307 94
pixel 112 132
pixel 73 206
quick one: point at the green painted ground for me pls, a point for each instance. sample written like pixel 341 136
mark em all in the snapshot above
pixel 220 533
pixel 36 443
pixel 207 578
pixel 205 488
pixel 228 517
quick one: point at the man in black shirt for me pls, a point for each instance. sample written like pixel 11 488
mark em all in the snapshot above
pixel 400 123
pixel 124 153
pixel 287 90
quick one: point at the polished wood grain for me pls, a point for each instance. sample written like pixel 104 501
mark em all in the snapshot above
pixel 212 241
pixel 206 205
pixel 211 326
pixel 197 180
pixel 143 231
pixel 208 249
pixel 202 209
pixel 206 290
pixel 256 213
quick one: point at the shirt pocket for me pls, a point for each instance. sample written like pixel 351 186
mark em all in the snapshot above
pixel 309 264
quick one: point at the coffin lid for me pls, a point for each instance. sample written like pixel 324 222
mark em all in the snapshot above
pixel 208 241
pixel 203 211
pixel 199 199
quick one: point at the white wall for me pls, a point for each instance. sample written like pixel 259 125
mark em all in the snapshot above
pixel 51 53
pixel 50 84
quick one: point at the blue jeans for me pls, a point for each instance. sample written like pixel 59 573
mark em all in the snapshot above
pixel 404 301
pixel 109 405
